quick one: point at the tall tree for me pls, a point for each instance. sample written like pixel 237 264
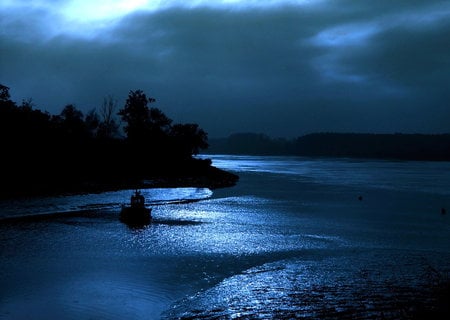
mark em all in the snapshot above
pixel 136 116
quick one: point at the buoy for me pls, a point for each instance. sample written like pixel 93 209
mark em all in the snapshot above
pixel 443 211
pixel 360 198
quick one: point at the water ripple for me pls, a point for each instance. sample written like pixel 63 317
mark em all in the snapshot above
pixel 364 287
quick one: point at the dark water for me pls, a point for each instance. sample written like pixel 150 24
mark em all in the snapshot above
pixel 296 238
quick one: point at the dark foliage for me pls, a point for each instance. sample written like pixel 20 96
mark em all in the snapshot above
pixel 188 138
pixel 71 152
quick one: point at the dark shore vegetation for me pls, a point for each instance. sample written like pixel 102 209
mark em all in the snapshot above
pixel 432 147
pixel 136 146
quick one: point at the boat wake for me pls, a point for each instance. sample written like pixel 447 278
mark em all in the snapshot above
pixel 94 205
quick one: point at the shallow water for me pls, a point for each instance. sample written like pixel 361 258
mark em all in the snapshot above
pixel 291 240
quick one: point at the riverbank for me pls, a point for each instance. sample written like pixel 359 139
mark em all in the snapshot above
pixel 199 177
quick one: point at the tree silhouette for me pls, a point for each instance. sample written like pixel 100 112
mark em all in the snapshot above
pixel 159 122
pixel 72 123
pixel 150 128
pixel 136 116
pixel 92 123
pixel 70 152
pixel 6 104
pixel 4 93
pixel 189 139
pixel 108 127
pixel 147 129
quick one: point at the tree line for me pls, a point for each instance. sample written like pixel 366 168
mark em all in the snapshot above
pixel 105 146
pixel 435 147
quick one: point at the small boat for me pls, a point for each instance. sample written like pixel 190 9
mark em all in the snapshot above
pixel 136 212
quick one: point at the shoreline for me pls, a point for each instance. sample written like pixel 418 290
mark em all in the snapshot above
pixel 212 178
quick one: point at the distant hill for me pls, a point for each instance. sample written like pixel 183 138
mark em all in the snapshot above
pixel 249 143
pixel 434 147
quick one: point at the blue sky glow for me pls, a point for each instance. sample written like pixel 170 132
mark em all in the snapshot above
pixel 280 67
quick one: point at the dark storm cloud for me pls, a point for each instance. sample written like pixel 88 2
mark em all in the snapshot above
pixel 284 70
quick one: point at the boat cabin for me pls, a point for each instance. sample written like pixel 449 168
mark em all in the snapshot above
pixel 136 212
pixel 137 200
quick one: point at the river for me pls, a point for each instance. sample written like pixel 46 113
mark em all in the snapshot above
pixel 295 238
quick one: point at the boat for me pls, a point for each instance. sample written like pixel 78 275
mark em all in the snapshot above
pixel 136 212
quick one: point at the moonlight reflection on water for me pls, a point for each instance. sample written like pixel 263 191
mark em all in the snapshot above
pixel 290 240
pixel 360 288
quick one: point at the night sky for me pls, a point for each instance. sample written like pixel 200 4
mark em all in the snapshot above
pixel 284 68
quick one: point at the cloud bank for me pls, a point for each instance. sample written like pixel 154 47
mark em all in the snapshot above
pixel 285 69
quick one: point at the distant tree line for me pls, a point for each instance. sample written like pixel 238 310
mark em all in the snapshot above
pixel 250 144
pixel 434 147
pixel 72 150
